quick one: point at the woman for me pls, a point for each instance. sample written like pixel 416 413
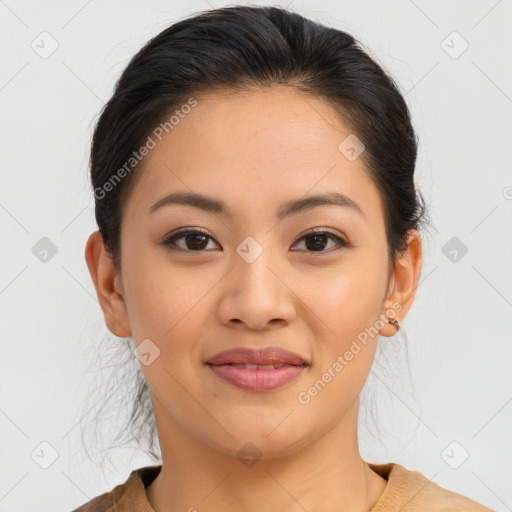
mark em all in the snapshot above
pixel 258 231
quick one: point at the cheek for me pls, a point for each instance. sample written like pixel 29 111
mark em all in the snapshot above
pixel 348 308
pixel 349 298
pixel 347 303
pixel 164 305
pixel 161 296
pixel 169 306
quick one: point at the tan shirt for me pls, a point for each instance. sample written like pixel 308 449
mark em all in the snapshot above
pixel 406 491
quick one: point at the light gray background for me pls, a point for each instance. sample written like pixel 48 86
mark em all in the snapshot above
pixel 458 331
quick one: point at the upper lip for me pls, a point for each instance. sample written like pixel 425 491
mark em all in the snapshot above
pixel 263 356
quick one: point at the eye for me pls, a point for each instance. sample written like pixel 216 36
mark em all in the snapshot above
pixel 320 238
pixel 196 240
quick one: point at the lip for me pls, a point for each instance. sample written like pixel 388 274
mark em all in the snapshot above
pixel 229 366
pixel 261 356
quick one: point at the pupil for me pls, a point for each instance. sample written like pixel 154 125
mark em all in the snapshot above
pixel 316 237
pixel 195 239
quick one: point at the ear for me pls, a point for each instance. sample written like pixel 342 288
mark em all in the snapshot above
pixel 107 282
pixel 403 283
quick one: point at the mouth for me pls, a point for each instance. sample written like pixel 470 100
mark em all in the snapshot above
pixel 274 356
pixel 249 366
pixel 258 370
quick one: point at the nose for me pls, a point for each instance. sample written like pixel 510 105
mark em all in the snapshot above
pixel 256 295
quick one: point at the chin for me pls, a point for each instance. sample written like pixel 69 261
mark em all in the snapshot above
pixel 251 442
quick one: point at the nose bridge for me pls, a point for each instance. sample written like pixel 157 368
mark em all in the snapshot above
pixel 252 263
pixel 255 295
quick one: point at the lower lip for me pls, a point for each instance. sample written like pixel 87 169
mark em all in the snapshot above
pixel 257 380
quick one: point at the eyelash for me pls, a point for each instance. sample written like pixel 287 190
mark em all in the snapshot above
pixel 170 241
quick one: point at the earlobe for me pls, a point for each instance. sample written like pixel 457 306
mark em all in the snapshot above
pixel 106 280
pixel 403 283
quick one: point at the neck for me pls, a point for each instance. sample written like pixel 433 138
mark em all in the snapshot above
pixel 327 475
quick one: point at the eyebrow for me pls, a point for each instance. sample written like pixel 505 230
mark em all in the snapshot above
pixel 217 207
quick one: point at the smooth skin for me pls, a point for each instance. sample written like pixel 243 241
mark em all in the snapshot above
pixel 255 151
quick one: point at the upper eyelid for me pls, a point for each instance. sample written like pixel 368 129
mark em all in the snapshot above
pixel 312 231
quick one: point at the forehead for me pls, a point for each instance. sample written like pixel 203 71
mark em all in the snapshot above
pixel 257 148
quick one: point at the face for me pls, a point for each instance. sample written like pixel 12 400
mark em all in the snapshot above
pixel 252 273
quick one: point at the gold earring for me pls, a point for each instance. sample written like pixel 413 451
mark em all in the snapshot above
pixel 395 322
